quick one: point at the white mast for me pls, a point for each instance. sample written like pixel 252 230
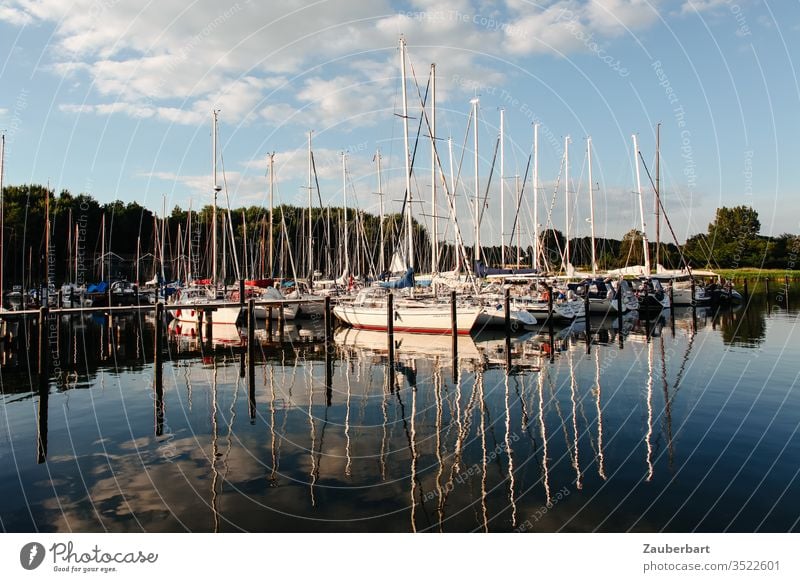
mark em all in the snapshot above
pixel 535 195
pixel 519 204
pixel 591 201
pixel 271 233
pixel 502 191
pixel 451 206
pixel 381 260
pixel 409 222
pixel 310 234
pixel 434 233
pixel 475 102
pixel 344 194
pixel 216 188
pixel 645 245
pixel 102 248
pixel 566 198
pixel 2 215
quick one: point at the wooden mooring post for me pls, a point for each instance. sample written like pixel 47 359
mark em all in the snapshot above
pixel 587 319
pixel 551 331
pixel 251 351
pixel 620 335
pixel 158 369
pixel 328 352
pixel 390 337
pixel 43 364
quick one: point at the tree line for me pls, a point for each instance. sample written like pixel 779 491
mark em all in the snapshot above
pixel 129 230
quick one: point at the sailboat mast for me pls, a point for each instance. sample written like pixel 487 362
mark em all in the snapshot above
pixel 103 248
pixel 346 234
pixel 535 195
pixel 271 232
pixel 641 205
pixel 658 194
pixel 409 222
pixel 310 234
pixel 566 198
pixel 475 102
pixel 244 247
pixel 518 228
pixel 2 214
pixel 216 188
pixel 381 260
pixel 189 245
pixel 434 218
pixel 451 205
pixel 502 191
pixel 591 202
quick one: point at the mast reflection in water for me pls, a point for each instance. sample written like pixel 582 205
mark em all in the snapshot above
pixel 678 423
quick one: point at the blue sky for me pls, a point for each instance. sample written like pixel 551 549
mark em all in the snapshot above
pixel 113 99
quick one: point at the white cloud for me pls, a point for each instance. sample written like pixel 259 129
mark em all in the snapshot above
pixel 320 64
pixel 14 16
pixel 701 5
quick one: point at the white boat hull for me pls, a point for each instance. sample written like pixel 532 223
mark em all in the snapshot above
pixel 222 315
pixel 433 319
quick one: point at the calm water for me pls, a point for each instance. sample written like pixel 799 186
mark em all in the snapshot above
pixel 694 428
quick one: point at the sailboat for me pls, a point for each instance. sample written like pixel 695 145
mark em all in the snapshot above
pixel 650 293
pixel 369 309
pixel 191 299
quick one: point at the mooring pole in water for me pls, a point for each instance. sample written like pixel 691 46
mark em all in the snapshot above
pixel 672 308
pixel 43 313
pixel 587 319
pixel 41 425
pixel 269 323
pixel 200 331
pixel 454 333
pixel 619 311
pixel 281 322
pixel 158 369
pixel 390 337
pixel 210 328
pixel 390 326
pixel 550 329
pixel 44 389
pixel 251 347
pixel 766 284
pixel 328 352
pixel 241 293
pixel 746 292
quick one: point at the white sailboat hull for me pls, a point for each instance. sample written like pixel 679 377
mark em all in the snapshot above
pixel 434 319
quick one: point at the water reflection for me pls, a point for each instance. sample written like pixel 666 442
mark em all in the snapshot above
pixel 345 439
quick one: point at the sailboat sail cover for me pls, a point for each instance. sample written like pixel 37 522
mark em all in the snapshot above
pixel 407 280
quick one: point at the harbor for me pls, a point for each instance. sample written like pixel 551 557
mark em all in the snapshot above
pixel 135 424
